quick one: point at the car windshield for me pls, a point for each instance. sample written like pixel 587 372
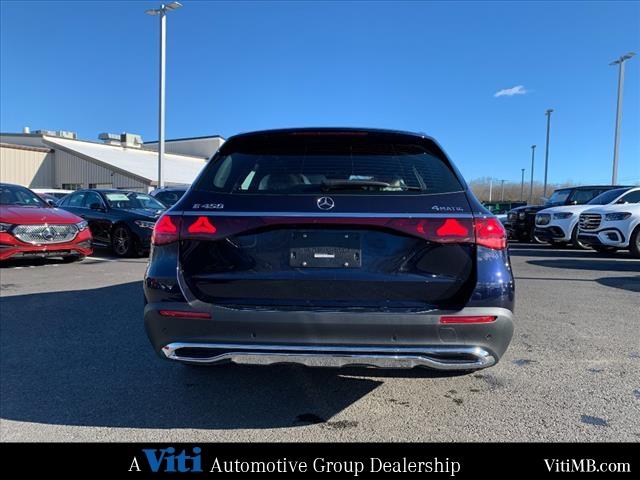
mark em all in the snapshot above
pixel 607 197
pixel 19 196
pixel 559 197
pixel 354 165
pixel 132 201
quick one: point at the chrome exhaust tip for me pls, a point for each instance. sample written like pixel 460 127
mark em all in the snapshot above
pixel 438 358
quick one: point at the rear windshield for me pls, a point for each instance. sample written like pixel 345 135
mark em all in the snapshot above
pixel 356 166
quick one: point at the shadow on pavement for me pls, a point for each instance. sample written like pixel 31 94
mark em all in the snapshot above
pixel 551 252
pixel 596 266
pixel 83 358
pixel 625 283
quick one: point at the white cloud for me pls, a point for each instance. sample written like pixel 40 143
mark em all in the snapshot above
pixel 510 92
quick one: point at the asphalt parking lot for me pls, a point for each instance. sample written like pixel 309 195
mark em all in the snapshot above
pixel 76 366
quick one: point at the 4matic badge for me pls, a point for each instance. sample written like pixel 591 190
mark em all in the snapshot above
pixel 447 209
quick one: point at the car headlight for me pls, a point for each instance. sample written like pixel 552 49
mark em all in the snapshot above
pixel 562 215
pixel 5 227
pixel 543 219
pixel 82 225
pixel 522 215
pixel 144 224
pixel 615 217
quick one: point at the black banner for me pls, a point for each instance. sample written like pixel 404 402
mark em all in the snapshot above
pixel 357 460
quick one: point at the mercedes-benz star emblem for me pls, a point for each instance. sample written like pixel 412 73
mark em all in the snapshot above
pixel 325 203
pixel 48 234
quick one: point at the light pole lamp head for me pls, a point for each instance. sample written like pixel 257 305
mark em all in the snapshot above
pixel 623 58
pixel 549 111
pixel 533 147
pixel 164 8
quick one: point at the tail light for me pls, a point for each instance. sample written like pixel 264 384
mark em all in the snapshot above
pixel 166 230
pixel 490 233
pixel 202 225
pixel 487 232
pixel 468 319
pixel 440 230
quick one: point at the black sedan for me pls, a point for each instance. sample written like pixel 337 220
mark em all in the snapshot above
pixel 118 219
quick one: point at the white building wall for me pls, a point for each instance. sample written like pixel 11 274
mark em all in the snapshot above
pixel 29 167
pixel 71 169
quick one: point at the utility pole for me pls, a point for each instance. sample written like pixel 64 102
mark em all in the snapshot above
pixel 533 156
pixel 490 188
pixel 616 141
pixel 162 13
pixel 502 193
pixel 522 185
pixel 546 154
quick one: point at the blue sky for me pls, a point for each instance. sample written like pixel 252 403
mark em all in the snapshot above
pixel 432 67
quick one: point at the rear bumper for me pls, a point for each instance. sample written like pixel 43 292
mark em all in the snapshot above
pixel 439 358
pixel 330 338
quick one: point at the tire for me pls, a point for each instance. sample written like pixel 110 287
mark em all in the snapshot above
pixel 534 238
pixel 634 243
pixel 122 241
pixel 577 243
pixel 73 258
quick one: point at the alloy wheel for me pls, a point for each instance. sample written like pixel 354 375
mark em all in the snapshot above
pixel 121 241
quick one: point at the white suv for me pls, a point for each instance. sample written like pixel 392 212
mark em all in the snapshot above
pixel 559 225
pixel 613 227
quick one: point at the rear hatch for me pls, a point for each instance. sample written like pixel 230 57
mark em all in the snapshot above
pixel 328 220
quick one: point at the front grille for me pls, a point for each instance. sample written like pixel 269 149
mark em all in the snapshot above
pixel 590 221
pixel 543 219
pixel 45 234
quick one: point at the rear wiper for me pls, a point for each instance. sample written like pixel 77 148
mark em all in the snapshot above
pixel 345 184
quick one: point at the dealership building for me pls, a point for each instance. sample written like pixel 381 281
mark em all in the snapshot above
pixel 58 159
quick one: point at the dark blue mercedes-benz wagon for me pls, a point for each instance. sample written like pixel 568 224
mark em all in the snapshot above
pixel 330 247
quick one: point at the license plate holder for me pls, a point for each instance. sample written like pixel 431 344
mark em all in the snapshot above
pixel 314 249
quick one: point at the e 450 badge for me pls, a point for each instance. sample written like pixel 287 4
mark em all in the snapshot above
pixel 208 206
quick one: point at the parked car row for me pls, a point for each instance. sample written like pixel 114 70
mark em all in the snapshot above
pixel 604 218
pixel 521 224
pixel 68 224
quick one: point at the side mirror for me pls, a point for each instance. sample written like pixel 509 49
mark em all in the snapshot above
pixel 574 202
pixel 96 206
pixel 622 201
pixel 50 202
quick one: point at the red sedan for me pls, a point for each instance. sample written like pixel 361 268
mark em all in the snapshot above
pixel 30 228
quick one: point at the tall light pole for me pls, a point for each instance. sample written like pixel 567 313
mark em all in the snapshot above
pixel 546 153
pixel 522 186
pixel 502 192
pixel 490 187
pixel 533 156
pixel 616 142
pixel 162 13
